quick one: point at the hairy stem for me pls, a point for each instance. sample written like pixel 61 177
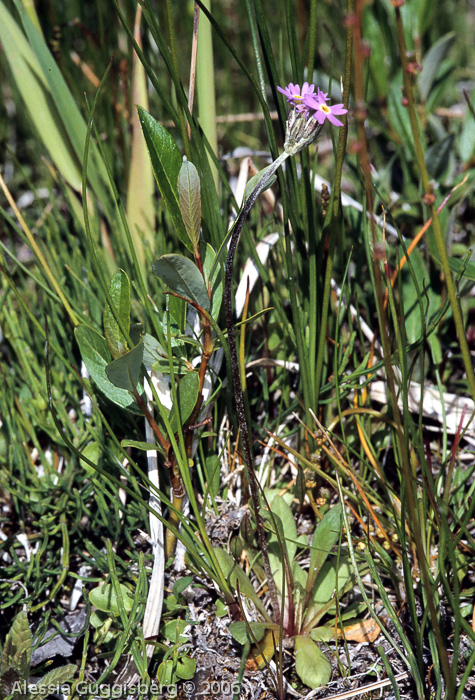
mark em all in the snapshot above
pixel 238 392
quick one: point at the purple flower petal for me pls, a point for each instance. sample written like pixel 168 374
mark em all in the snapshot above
pixel 334 120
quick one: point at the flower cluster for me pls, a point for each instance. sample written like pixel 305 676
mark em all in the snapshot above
pixel 309 113
pixel 306 100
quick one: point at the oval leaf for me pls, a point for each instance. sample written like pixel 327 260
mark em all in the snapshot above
pixel 105 599
pixel 189 193
pixel 250 632
pixel 183 278
pixel 120 296
pixel 311 664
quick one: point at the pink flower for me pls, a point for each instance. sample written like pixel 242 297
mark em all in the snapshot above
pixel 322 110
pixel 296 96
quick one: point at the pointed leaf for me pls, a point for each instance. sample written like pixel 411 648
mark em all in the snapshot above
pixel 145 446
pixel 333 577
pixel 233 573
pixel 34 90
pixel 311 664
pixel 187 396
pixel 17 651
pixel 96 356
pixel 54 678
pixel 431 63
pixel 189 193
pixel 166 164
pixel 70 122
pixel 124 372
pixel 438 156
pixel 254 181
pixel 183 278
pixel 324 539
pixel 288 534
pixel 213 277
pixel 120 295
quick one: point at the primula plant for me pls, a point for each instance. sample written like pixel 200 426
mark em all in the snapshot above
pixel 195 292
pixel 144 402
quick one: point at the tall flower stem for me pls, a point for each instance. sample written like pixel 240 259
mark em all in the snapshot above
pixel 238 392
pixel 332 227
pixel 444 260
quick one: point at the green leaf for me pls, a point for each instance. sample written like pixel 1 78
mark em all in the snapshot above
pixel 56 115
pixel 213 277
pixel 431 64
pixel 322 634
pixel 185 668
pixel 96 356
pixel 152 351
pixel 146 446
pixel 466 139
pixel 438 156
pixel 174 631
pixel 324 539
pixel 17 650
pixel 456 265
pixel 285 522
pixel 213 475
pixel 233 573
pixel 124 372
pixel 34 90
pixel 254 181
pixel 183 278
pixel 54 678
pixel 311 664
pixel 399 116
pixel 187 395
pixel 166 164
pixel 92 452
pixel 180 585
pixel 189 193
pixel 250 632
pixel 120 296
pixel 333 577
pixel 105 599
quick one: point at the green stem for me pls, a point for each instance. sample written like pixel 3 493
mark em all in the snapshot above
pixel 332 226
pixel 444 260
pixel 312 38
pixel 206 87
pixel 458 320
pixel 176 70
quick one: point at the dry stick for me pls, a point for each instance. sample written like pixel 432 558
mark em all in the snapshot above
pixel 238 393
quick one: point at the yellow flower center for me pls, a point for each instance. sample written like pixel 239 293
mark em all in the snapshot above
pixel 325 108
pixel 297 97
